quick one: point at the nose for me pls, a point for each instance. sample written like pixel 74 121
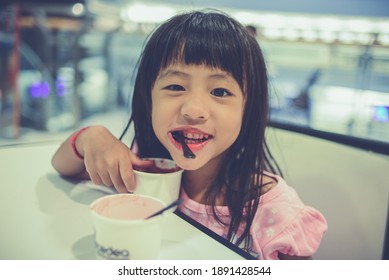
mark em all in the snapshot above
pixel 195 108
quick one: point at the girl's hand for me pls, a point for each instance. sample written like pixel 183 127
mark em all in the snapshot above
pixel 107 160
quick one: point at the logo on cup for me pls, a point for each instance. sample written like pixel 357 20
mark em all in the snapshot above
pixel 111 253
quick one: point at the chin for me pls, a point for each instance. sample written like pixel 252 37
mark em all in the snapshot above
pixel 187 163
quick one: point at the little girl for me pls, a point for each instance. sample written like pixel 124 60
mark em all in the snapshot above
pixel 202 83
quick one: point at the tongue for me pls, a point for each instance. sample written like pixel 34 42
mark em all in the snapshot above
pixel 187 151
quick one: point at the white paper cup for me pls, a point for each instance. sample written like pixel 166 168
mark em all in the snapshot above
pixel 121 230
pixel 164 185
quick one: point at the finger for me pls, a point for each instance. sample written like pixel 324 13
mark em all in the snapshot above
pixel 93 174
pixel 95 178
pixel 118 182
pixel 101 178
pixel 127 175
pixel 106 179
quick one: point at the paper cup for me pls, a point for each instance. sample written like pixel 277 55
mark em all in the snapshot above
pixel 161 180
pixel 121 230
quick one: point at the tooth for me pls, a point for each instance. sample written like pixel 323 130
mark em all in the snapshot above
pixel 195 136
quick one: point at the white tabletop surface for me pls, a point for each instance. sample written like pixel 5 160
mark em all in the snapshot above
pixel 44 216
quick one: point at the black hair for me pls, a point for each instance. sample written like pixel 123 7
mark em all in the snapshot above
pixel 212 38
pixel 252 29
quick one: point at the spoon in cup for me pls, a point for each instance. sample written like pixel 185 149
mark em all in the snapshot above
pixel 171 205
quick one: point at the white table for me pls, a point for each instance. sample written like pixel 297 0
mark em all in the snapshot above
pixel 43 216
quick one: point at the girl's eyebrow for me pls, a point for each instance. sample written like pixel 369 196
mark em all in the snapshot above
pixel 220 76
pixel 173 73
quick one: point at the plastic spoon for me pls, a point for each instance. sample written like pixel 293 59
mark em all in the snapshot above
pixel 187 151
pixel 171 205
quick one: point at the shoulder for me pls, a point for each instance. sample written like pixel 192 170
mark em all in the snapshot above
pixel 279 205
pixel 276 190
pixel 269 182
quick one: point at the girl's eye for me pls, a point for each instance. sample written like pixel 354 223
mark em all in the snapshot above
pixel 220 92
pixel 175 88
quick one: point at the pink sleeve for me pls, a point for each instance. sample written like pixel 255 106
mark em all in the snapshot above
pixel 301 238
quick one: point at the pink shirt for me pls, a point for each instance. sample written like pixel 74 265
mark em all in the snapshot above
pixel 282 223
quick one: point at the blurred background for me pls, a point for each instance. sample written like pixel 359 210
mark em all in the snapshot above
pixel 67 63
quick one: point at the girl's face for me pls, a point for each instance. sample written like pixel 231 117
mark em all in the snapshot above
pixel 203 104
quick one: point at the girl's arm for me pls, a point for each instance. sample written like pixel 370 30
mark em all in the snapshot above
pixel 107 161
pixel 67 163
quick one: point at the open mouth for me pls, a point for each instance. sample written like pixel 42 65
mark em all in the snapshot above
pixel 190 141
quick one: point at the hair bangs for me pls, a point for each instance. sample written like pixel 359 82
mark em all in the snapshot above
pixel 205 40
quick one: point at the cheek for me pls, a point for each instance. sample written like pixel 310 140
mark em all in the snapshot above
pixel 236 115
pixel 236 123
pixel 162 115
pixel 160 111
pixel 235 128
pixel 229 126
